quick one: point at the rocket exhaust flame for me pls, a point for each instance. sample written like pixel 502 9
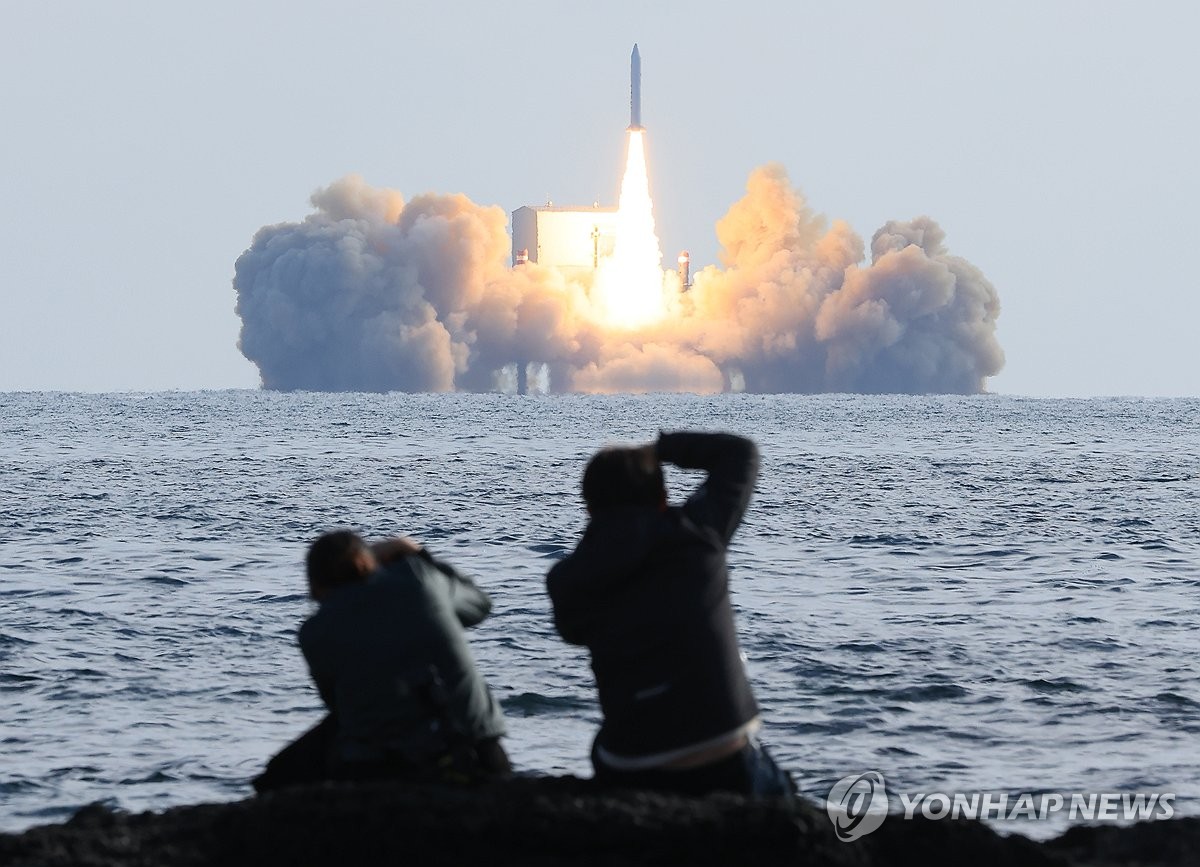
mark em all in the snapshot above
pixel 628 292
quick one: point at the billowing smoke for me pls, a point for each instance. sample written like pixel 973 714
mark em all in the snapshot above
pixel 371 293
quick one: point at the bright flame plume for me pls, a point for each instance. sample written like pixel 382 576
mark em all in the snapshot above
pixel 628 292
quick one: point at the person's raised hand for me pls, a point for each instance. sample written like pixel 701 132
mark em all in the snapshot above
pixel 393 548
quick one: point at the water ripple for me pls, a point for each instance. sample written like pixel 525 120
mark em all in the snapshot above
pixel 962 593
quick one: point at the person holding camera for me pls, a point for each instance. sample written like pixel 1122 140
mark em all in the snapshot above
pixel 390 660
pixel 646 590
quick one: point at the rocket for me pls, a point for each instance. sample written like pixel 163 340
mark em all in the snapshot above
pixel 635 89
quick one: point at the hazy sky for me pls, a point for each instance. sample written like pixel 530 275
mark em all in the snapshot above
pixel 143 144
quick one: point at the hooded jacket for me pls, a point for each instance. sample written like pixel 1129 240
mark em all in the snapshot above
pixel 647 592
pixel 391 662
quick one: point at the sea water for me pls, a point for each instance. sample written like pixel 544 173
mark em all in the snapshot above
pixel 965 594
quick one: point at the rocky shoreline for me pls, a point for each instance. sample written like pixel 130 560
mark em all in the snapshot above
pixel 550 821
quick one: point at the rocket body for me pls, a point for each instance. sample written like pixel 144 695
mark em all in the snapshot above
pixel 635 89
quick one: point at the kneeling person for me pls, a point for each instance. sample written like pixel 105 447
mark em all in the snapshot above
pixel 387 652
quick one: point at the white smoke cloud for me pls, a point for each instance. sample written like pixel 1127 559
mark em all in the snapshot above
pixel 649 367
pixel 372 293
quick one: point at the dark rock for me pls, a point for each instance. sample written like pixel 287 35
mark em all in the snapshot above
pixel 1173 841
pixel 549 821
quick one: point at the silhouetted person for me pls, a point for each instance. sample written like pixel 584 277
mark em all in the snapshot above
pixel 387 652
pixel 646 591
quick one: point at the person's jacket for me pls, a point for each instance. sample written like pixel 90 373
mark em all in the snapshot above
pixel 391 662
pixel 646 590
